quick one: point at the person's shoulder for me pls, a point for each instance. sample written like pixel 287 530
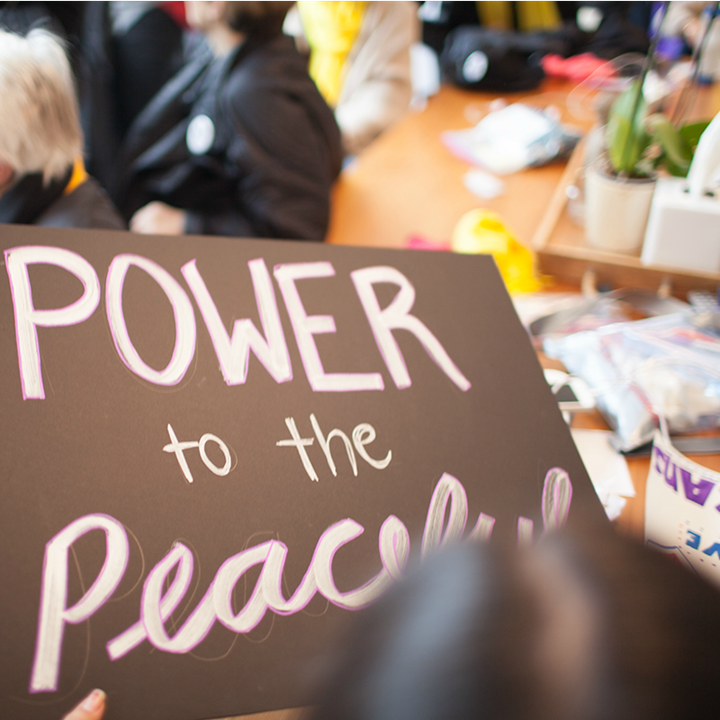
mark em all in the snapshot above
pixel 392 14
pixel 270 77
pixel 274 62
pixel 88 206
pixel 392 20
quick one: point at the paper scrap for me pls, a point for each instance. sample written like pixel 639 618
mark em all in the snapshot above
pixel 483 184
pixel 607 469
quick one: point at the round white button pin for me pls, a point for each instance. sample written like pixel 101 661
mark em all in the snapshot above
pixel 200 135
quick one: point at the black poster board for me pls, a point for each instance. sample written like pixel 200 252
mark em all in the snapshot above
pixel 172 529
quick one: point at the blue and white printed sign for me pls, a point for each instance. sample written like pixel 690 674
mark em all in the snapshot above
pixel 682 509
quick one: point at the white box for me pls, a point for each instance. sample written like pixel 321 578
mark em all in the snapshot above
pixel 683 231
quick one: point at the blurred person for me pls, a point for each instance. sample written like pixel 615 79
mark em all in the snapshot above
pixel 239 142
pixel 63 19
pixel 581 626
pixel 129 51
pixel 147 51
pixel 689 21
pixel 360 60
pixel 42 175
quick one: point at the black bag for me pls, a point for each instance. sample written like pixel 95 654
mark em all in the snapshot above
pixel 477 58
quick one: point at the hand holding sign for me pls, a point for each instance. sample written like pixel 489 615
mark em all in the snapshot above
pixel 91 708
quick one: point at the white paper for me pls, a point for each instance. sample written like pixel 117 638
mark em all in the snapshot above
pixel 483 184
pixel 606 467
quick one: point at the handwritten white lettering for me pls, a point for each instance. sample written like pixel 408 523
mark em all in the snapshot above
pixel 161 596
pixel 185 329
pixel 28 319
pixel 396 316
pixel 177 447
pixel 232 350
pixel 362 435
pixel 234 353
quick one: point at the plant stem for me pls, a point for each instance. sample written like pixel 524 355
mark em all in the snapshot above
pixel 647 64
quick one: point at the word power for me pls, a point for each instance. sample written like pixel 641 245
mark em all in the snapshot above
pixel 233 350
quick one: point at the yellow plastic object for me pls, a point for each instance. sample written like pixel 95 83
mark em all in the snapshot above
pixel 483 231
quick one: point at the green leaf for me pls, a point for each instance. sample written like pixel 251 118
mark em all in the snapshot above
pixel 677 147
pixel 693 131
pixel 627 138
pixel 676 151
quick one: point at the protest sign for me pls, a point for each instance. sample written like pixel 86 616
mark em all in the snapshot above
pixel 682 509
pixel 214 451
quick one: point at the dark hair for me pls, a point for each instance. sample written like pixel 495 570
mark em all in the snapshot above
pixel 257 18
pixel 578 628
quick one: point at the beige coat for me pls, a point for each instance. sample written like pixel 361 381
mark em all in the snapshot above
pixel 377 88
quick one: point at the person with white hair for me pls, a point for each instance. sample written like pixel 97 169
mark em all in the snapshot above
pixel 42 175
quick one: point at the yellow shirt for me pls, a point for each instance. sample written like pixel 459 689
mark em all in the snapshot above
pixel 331 29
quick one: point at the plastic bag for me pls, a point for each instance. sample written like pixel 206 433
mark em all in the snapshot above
pixel 665 366
pixel 512 138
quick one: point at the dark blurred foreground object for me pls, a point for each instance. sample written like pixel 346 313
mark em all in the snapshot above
pixel 588 626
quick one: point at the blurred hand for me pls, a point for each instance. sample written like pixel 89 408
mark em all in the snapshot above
pixel 91 708
pixel 157 218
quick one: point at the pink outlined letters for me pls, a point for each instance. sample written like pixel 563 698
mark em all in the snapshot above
pixel 161 598
pixel 53 597
pixel 234 353
pixel 232 350
pixel 182 310
pixel 27 318
pixel 305 326
pixel 396 316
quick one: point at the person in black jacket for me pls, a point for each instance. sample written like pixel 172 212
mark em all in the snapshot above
pixel 239 142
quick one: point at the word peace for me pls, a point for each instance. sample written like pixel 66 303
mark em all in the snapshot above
pixel 233 350
pixel 168 582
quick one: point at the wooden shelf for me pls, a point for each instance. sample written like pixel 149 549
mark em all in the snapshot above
pixel 563 254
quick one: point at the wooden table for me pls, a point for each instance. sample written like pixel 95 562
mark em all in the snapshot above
pixel 408 184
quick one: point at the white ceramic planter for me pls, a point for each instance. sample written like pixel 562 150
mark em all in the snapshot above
pixel 616 211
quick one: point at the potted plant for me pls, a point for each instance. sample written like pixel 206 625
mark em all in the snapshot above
pixel 619 185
